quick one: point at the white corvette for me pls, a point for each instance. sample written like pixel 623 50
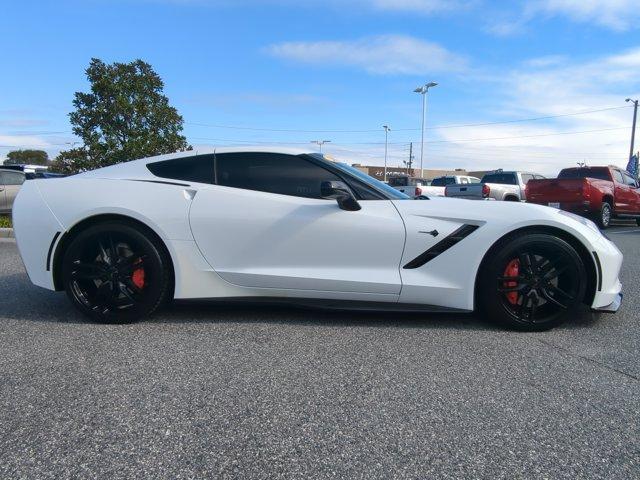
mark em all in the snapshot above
pixel 296 225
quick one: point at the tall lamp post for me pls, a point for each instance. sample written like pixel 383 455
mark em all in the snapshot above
pixel 320 143
pixel 386 141
pixel 633 129
pixel 423 91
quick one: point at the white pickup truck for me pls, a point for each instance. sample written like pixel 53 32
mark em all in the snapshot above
pixel 438 184
pixel 498 185
pixel 411 186
pixel 416 187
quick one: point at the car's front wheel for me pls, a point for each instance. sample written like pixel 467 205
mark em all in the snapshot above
pixel 115 272
pixel 532 282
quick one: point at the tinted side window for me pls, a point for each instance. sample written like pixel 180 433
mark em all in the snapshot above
pixel 272 173
pixel 500 178
pixel 12 178
pixel 443 181
pixel 398 181
pixel 190 169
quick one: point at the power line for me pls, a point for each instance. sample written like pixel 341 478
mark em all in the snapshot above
pixel 430 141
pixel 437 127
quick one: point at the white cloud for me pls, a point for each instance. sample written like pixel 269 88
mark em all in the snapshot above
pixel 553 86
pixel 52 145
pixel 615 14
pixel 384 54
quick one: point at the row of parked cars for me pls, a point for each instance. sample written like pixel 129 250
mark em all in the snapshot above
pixel 599 193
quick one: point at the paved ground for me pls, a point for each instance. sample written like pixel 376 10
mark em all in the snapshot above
pixel 266 393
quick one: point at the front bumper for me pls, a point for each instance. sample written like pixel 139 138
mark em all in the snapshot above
pixel 612 307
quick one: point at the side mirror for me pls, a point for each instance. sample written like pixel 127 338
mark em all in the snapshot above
pixel 340 192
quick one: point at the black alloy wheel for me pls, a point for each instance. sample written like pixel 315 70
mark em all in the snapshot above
pixel 116 273
pixel 533 283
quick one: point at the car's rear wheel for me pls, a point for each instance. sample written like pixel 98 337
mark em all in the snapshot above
pixel 533 282
pixel 116 273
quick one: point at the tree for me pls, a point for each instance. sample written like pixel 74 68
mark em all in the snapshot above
pixel 32 157
pixel 125 116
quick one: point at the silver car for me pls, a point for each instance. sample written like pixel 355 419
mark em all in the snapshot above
pixel 10 182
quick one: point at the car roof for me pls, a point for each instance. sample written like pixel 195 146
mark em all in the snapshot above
pixel 137 168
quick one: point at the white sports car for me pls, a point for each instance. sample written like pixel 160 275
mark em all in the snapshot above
pixel 296 225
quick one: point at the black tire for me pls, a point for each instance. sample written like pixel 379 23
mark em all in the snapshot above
pixel 603 217
pixel 115 272
pixel 638 222
pixel 550 273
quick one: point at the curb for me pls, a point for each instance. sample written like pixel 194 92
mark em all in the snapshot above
pixel 6 233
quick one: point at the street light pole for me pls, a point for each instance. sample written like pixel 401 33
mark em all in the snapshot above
pixel 320 143
pixel 633 128
pixel 386 140
pixel 423 91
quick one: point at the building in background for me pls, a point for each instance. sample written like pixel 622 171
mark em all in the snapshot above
pixel 428 174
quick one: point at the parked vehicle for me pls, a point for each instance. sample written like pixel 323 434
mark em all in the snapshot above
pixel 438 184
pixel 498 185
pixel 411 186
pixel 298 227
pixel 600 193
pixel 26 168
pixel 10 182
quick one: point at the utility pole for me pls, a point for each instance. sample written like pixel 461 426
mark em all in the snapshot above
pixel 410 162
pixel 633 129
pixel 386 140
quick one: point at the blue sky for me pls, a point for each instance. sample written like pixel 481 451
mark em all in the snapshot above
pixel 346 68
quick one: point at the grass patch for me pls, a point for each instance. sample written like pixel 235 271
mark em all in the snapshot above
pixel 5 221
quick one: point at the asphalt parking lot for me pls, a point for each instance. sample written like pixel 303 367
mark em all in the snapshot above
pixel 256 392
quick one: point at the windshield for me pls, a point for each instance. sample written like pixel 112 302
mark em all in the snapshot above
pixel 391 192
pixel 598 173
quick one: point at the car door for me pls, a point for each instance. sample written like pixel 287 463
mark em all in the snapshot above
pixel 264 224
pixel 12 182
pixel 632 197
pixel 622 195
pixel 3 195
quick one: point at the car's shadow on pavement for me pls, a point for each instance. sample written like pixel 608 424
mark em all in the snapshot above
pixel 282 313
pixel 23 301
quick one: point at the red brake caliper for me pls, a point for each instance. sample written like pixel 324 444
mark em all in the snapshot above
pixel 512 270
pixel 138 275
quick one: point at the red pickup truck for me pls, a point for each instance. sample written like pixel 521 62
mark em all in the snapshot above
pixel 600 193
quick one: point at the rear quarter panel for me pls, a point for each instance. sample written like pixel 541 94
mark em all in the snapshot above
pixel 45 207
pixel 35 227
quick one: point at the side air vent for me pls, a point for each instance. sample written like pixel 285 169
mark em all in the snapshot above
pixel 442 246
